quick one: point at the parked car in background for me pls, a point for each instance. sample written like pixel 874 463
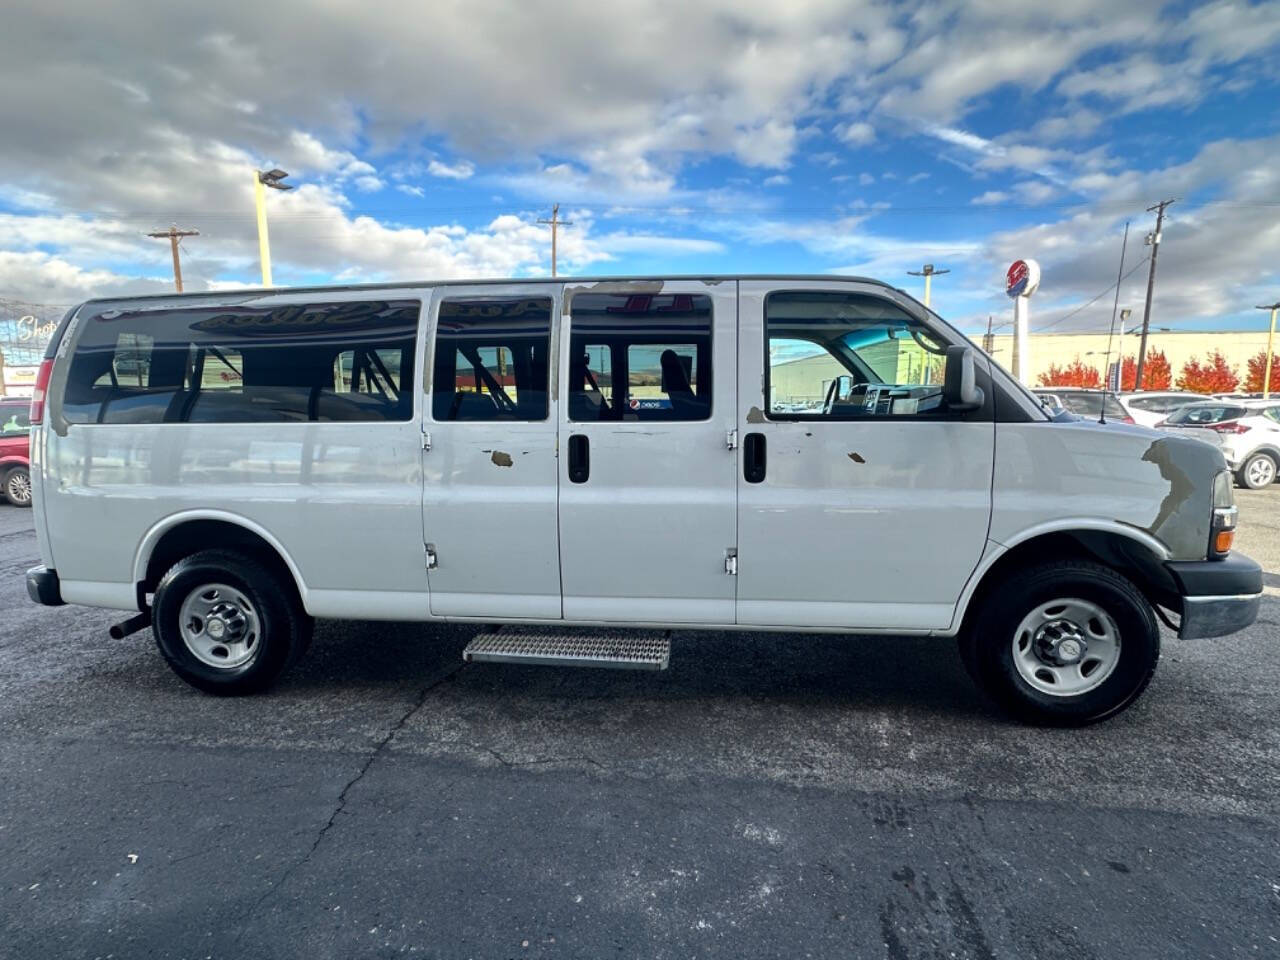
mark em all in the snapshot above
pixel 1085 402
pixel 15 455
pixel 1149 407
pixel 1249 431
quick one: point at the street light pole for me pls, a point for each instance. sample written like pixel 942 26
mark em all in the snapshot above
pixel 272 179
pixel 928 273
pixel 1271 336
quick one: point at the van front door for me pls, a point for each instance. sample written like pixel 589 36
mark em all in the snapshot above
pixel 647 494
pixel 489 475
pixel 863 501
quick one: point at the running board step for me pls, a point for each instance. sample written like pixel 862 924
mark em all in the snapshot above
pixel 618 649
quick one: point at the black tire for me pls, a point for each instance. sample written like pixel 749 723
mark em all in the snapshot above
pixel 1242 475
pixel 17 487
pixel 284 631
pixel 988 642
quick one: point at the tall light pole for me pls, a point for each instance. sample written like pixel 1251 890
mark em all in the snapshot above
pixel 173 235
pixel 1271 336
pixel 272 179
pixel 928 273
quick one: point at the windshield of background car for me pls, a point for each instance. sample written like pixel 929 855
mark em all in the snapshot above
pixel 15 419
pixel 1091 405
pixel 1206 413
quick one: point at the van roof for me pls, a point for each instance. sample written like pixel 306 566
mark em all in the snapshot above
pixel 488 281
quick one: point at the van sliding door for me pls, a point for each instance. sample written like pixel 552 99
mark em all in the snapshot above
pixel 647 497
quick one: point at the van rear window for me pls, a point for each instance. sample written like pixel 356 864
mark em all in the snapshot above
pixel 341 361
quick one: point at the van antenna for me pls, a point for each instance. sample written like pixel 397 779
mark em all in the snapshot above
pixel 1115 306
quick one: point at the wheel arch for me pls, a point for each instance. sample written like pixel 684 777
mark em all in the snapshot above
pixel 1130 551
pixel 183 534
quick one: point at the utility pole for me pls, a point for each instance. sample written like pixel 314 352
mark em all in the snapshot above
pixel 1266 371
pixel 174 235
pixel 555 222
pixel 1154 240
pixel 928 273
pixel 989 338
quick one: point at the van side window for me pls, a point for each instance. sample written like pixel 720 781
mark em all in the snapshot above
pixel 235 364
pixel 849 356
pixel 640 357
pixel 492 359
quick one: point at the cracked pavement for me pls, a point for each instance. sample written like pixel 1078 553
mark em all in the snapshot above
pixel 769 795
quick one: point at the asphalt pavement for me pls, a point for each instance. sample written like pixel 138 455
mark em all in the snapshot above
pixel 770 795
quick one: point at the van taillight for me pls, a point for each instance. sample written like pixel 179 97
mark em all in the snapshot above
pixel 38 394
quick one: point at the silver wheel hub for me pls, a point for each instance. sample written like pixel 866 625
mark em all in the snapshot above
pixel 19 488
pixel 1066 647
pixel 219 625
pixel 1261 471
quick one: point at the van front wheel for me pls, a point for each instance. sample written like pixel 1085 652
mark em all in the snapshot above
pixel 226 623
pixel 1063 644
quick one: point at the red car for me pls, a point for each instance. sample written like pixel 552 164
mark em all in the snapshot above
pixel 15 451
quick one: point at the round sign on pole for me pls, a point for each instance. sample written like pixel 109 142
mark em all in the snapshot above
pixel 1022 278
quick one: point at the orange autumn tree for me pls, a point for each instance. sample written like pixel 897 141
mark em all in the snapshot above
pixel 1157 374
pixel 1253 381
pixel 1074 374
pixel 1212 376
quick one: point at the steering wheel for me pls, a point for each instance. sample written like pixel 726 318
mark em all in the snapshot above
pixel 830 402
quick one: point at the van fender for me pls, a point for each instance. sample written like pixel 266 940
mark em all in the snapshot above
pixel 996 549
pixel 149 540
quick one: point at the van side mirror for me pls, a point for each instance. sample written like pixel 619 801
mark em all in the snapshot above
pixel 959 389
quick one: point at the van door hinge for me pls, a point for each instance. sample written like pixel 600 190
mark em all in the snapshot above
pixel 432 560
pixel 731 561
pixel 731 439
pixel 426 440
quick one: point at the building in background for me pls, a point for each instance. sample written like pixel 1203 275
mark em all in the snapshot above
pixel 1060 349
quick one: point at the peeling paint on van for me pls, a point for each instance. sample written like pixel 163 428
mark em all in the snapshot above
pixel 1134 477
pixel 754 415
pixel 501 459
pixel 652 287
pixel 856 457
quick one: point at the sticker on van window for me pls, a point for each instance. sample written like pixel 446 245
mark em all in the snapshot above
pixel 649 403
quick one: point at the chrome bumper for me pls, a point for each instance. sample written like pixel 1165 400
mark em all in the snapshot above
pixel 1217 616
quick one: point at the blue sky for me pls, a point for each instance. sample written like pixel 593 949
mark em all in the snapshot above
pixel 708 136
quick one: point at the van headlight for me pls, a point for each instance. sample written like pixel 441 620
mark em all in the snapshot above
pixel 1222 530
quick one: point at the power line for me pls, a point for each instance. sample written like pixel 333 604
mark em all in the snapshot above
pixel 1092 300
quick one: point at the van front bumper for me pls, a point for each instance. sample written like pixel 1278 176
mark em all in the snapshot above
pixel 1218 596
pixel 44 587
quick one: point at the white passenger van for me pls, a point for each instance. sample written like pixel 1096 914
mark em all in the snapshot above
pixel 582 466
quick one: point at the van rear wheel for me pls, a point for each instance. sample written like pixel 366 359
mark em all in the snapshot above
pixel 228 624
pixel 1063 644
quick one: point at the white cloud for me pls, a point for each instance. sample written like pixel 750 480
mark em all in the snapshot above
pixel 458 171
pixel 778 180
pixel 866 179
pixel 857 134
pixel 990 198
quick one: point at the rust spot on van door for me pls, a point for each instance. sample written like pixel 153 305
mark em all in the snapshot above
pixel 501 459
pixel 856 457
